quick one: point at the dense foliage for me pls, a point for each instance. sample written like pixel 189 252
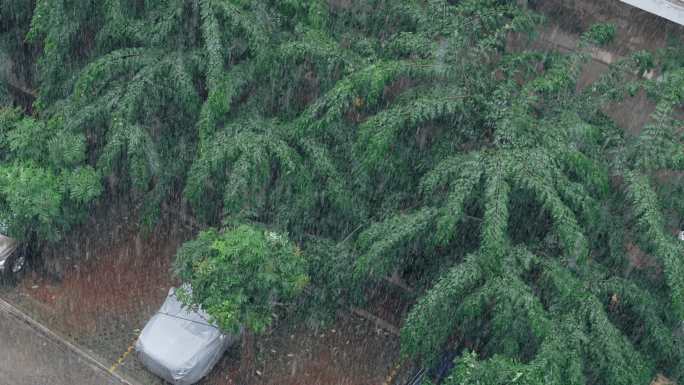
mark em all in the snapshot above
pixel 238 276
pixel 45 184
pixel 406 137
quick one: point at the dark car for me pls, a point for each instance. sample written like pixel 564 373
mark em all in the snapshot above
pixel 437 373
pixel 12 260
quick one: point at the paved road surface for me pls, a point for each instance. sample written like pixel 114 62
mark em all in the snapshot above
pixel 27 357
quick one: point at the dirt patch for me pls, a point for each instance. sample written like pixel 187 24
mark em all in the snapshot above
pixel 389 302
pixel 120 283
pixel 350 352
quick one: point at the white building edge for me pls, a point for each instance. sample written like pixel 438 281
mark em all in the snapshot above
pixel 672 10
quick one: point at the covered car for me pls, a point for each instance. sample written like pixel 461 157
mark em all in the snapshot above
pixel 12 261
pixel 179 344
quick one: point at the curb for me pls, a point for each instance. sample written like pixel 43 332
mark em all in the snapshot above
pixel 39 328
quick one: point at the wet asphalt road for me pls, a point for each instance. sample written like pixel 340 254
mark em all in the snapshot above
pixel 27 357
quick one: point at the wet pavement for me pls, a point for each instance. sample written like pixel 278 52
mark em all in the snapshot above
pixel 28 357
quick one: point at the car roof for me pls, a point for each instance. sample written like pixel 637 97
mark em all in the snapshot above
pixel 176 342
pixel 179 343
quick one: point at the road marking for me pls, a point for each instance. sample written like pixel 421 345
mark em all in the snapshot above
pixel 122 357
pixel 392 374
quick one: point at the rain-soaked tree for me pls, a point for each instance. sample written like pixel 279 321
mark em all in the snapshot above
pixel 420 138
pixel 45 184
pixel 237 276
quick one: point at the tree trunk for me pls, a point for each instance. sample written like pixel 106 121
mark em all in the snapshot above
pixel 247 358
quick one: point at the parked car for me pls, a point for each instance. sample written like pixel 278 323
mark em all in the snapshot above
pixel 12 260
pixel 179 344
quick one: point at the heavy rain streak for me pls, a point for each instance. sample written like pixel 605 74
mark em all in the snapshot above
pixel 338 192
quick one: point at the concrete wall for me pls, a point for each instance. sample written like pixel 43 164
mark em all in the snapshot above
pixel 672 10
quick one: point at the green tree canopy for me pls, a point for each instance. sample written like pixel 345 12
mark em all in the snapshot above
pixel 237 275
pixel 45 185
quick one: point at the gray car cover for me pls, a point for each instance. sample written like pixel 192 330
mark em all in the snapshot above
pixel 180 345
